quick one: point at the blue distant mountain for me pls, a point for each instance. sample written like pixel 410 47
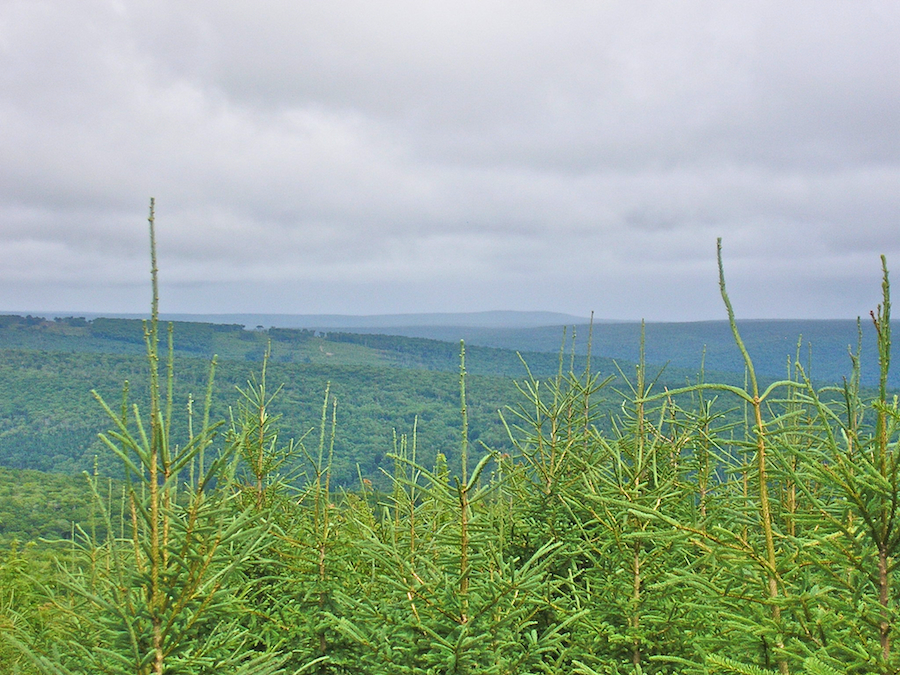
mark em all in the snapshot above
pixel 495 319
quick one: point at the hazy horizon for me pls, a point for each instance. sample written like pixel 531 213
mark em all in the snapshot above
pixel 483 319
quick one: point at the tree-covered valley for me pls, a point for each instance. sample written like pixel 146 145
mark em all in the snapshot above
pixel 49 419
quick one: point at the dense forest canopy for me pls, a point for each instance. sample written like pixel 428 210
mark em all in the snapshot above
pixel 49 419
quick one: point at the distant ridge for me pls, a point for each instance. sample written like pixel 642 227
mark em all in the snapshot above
pixel 494 319
pixel 822 345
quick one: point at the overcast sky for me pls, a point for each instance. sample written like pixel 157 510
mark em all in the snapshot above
pixel 382 157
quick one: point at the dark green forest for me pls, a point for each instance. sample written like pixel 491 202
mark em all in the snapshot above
pixel 49 419
pixel 376 505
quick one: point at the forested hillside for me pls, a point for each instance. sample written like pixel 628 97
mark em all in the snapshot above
pixel 49 419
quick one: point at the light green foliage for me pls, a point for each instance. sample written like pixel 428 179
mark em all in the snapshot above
pixel 24 615
pixel 153 593
pixel 811 666
pixel 447 594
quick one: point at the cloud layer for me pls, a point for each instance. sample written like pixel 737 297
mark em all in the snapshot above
pixel 359 157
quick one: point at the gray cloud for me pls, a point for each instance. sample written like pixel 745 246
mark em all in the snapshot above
pixel 401 156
